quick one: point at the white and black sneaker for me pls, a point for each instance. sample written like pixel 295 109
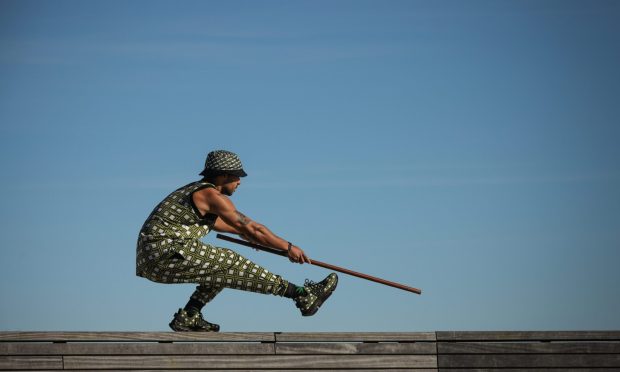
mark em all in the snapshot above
pixel 186 322
pixel 316 294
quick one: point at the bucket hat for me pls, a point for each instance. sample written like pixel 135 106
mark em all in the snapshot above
pixel 223 162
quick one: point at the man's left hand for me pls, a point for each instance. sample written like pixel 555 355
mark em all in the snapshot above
pixel 296 254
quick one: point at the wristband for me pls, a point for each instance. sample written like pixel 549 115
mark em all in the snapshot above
pixel 289 246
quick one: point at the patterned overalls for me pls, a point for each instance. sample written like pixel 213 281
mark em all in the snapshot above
pixel 170 251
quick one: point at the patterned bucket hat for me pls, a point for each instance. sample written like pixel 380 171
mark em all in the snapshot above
pixel 223 162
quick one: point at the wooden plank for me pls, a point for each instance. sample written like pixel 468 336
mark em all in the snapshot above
pixel 30 362
pixel 356 348
pixel 528 335
pixel 250 361
pixel 305 370
pixel 529 361
pixel 355 336
pixel 137 336
pixel 526 370
pixel 562 347
pixel 135 348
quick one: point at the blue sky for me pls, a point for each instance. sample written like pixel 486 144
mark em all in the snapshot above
pixel 466 148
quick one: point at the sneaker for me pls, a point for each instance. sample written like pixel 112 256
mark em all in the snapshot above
pixel 316 294
pixel 186 322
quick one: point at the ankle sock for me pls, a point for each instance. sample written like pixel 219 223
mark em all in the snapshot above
pixel 294 291
pixel 193 306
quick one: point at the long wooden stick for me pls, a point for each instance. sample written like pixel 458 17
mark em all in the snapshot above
pixel 322 264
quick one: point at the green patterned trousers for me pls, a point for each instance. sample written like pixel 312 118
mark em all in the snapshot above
pixel 212 268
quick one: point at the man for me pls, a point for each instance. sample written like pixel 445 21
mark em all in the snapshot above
pixel 170 251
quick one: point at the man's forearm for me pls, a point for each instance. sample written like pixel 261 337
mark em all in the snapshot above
pixel 264 236
pixel 257 232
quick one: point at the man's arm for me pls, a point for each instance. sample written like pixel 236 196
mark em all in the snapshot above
pixel 221 226
pixel 243 225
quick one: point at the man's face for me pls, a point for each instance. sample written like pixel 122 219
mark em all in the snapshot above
pixel 230 184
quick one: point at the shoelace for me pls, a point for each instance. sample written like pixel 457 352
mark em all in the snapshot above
pixel 310 283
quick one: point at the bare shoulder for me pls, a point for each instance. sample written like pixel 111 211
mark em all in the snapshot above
pixel 210 200
pixel 207 192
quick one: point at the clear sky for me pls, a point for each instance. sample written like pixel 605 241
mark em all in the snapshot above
pixel 468 148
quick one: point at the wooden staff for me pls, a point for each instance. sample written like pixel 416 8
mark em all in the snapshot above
pixel 322 264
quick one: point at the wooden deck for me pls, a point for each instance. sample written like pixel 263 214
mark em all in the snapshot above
pixel 410 351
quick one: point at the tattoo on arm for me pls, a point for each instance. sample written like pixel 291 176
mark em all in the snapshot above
pixel 242 218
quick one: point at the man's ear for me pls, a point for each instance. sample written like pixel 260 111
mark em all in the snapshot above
pixel 232 178
pixel 220 179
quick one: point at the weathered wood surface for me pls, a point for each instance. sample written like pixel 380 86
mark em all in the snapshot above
pixel 413 369
pixel 528 335
pixel 528 351
pixel 357 348
pixel 529 361
pixel 251 361
pixel 355 336
pixel 569 347
pixel 126 348
pixel 393 351
pixel 30 362
pixel 137 336
pixel 529 369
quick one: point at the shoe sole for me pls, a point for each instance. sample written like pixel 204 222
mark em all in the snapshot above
pixel 319 302
pixel 186 329
pixel 179 329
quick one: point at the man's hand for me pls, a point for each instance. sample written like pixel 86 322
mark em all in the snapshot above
pixel 296 254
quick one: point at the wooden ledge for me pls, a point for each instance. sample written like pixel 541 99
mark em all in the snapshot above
pixel 308 351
